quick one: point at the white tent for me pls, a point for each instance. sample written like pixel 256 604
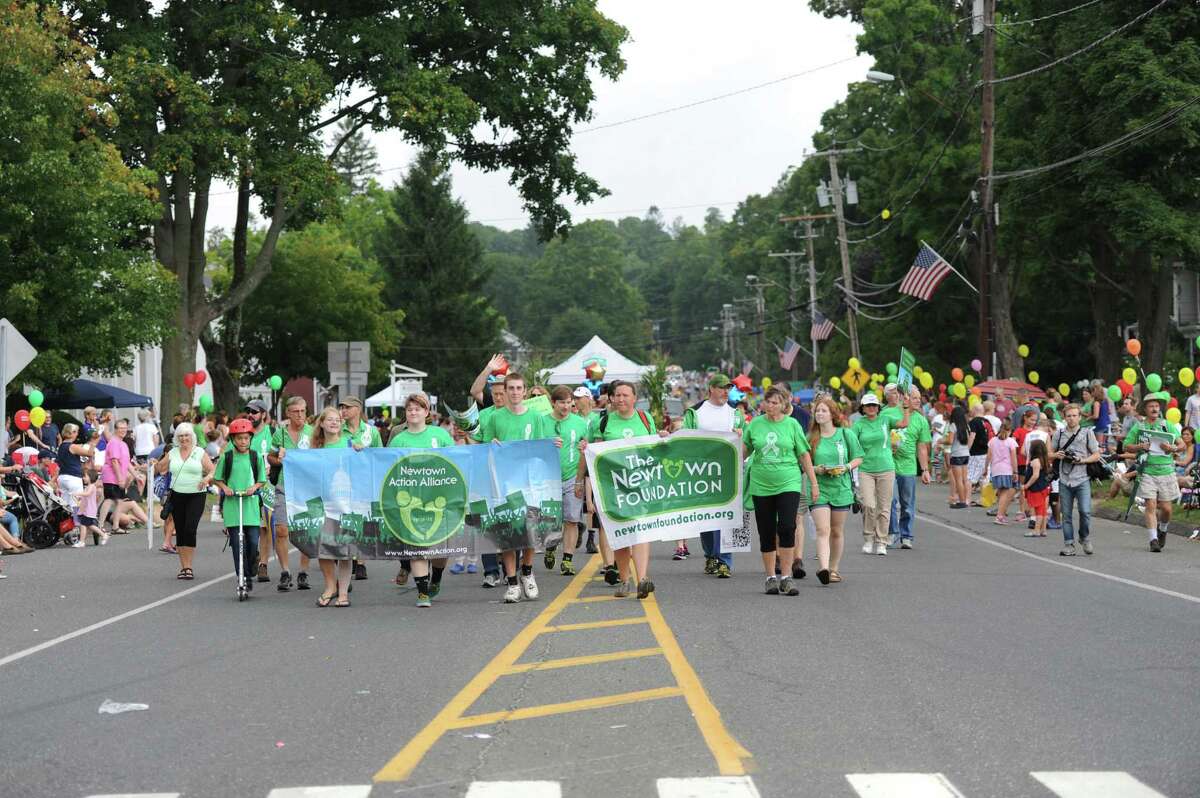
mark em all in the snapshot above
pixel 619 367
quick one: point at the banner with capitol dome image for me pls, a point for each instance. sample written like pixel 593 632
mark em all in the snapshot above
pixel 650 488
pixel 403 503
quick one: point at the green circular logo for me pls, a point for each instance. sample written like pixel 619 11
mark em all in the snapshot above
pixel 423 499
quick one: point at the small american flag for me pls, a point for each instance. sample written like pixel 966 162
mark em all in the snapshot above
pixel 822 327
pixel 787 355
pixel 927 272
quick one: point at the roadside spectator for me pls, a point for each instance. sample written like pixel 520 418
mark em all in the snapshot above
pixel 145 436
pixel 115 473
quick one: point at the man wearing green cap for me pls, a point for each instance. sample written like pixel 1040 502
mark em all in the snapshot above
pixel 1157 485
pixel 717 415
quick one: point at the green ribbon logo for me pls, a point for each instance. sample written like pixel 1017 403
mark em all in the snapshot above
pixel 423 499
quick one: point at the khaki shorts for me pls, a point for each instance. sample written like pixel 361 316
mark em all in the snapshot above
pixel 1164 488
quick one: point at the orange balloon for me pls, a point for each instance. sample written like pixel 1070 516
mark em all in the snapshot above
pixel 956 374
pixel 977 391
pixel 1133 346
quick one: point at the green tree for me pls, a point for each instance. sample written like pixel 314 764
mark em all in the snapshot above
pixel 357 161
pixel 210 90
pixel 322 288
pixel 75 277
pixel 434 271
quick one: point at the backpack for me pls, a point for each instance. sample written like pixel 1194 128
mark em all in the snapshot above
pixel 227 467
pixel 641 414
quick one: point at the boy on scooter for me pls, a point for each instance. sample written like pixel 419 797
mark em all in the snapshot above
pixel 239 475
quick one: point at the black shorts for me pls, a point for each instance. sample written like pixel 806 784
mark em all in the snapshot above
pixel 114 492
pixel 959 461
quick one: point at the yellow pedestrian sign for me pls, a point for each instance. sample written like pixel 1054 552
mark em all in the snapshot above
pixel 855 378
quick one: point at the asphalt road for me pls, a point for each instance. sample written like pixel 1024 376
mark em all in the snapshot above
pixel 977 656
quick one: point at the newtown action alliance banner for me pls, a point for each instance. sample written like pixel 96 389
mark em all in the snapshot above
pixel 651 488
pixel 401 503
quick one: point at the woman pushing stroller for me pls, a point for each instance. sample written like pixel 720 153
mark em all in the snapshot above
pixel 240 474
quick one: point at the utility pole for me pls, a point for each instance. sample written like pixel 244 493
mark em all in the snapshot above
pixel 835 183
pixel 987 239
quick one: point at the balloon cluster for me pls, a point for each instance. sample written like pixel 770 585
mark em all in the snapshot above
pixel 34 417
pixel 194 378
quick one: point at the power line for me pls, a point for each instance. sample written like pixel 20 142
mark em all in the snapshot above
pixel 1049 16
pixel 1081 50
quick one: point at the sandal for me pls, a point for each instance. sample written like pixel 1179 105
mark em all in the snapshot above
pixel 325 601
pixel 345 603
pixel 185 573
pixel 834 576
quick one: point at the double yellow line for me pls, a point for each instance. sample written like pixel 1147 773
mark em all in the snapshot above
pixel 727 752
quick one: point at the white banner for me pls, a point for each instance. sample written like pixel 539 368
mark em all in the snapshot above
pixel 650 488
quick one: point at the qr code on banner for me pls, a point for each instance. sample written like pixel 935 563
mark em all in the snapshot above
pixel 738 539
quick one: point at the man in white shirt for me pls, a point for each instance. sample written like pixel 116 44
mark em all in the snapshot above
pixel 1192 419
pixel 718 415
pixel 145 436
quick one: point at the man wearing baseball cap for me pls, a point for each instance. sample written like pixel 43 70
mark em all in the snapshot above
pixel 1157 485
pixel 717 415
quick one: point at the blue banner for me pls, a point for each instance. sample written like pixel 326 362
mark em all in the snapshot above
pixel 403 503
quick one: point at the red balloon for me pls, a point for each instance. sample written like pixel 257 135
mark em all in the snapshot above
pixel 1125 387
pixel 201 377
pixel 189 380
pixel 1173 403
pixel 742 382
pixel 22 420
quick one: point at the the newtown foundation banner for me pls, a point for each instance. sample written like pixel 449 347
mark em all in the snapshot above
pixel 651 488
pixel 401 503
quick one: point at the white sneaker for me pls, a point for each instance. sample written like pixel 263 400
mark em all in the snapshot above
pixel 512 594
pixel 79 544
pixel 529 587
pixel 893 540
pixel 881 549
pixel 868 548
pixel 906 543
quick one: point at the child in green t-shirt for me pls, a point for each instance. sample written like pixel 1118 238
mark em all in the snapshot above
pixel 239 475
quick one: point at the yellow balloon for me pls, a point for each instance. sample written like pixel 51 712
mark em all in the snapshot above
pixel 853 363
pixel 1023 350
pixel 1064 389
pixel 885 214
pixel 1173 415
pixel 1033 377
pixel 973 400
pixel 959 390
pixel 37 416
pixel 1129 375
pixel 926 380
pixel 835 382
pixel 766 383
pixel 1186 377
pixel 969 380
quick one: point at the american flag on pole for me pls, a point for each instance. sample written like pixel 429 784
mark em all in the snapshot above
pixel 787 355
pixel 822 327
pixel 927 272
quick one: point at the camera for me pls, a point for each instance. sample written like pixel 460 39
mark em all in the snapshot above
pixel 1069 458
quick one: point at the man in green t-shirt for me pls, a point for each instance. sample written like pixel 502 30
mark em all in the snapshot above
pixel 1157 484
pixel 573 430
pixel 516 422
pixel 911 455
pixel 295 434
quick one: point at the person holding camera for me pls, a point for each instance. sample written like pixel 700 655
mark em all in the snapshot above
pixel 1072 448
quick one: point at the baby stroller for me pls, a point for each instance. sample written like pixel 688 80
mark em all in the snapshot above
pixel 44 516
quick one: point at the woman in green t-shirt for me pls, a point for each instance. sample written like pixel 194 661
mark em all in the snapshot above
pixel 877 474
pixel 779 448
pixel 334 555
pixel 835 453
pixel 417 434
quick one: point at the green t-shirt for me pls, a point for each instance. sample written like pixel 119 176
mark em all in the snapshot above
pixel 343 442
pixel 876 441
pixel 894 414
pixel 616 427
pixel 572 430
pixel 261 442
pixel 484 415
pixel 837 450
pixel 282 439
pixel 1157 464
pixel 777 447
pixel 429 438
pixel 241 477
pixel 366 437
pixel 905 455
pixel 1086 411
pixel 505 425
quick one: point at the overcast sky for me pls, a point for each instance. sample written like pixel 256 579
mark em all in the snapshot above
pixel 714 154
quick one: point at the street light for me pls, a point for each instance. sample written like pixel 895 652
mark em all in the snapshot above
pixel 875 76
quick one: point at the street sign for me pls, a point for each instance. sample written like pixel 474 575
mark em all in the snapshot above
pixel 855 378
pixel 904 374
pixel 349 356
pixel 15 354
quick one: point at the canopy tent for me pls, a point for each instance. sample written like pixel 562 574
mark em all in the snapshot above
pixel 618 367
pixel 85 393
pixel 1010 388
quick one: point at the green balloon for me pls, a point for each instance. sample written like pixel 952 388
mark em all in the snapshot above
pixel 1114 393
pixel 1153 383
pixel 276 382
pixel 891 368
pixel 36 398
pixel 205 404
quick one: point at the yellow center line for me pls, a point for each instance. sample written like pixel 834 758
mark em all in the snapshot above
pixel 728 752
pixel 590 659
pixel 542 710
pixel 575 627
pixel 402 764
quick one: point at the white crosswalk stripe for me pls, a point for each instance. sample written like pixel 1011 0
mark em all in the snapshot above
pixel 514 789
pixel 137 795
pixel 902 785
pixel 710 787
pixel 1094 784
pixel 334 791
